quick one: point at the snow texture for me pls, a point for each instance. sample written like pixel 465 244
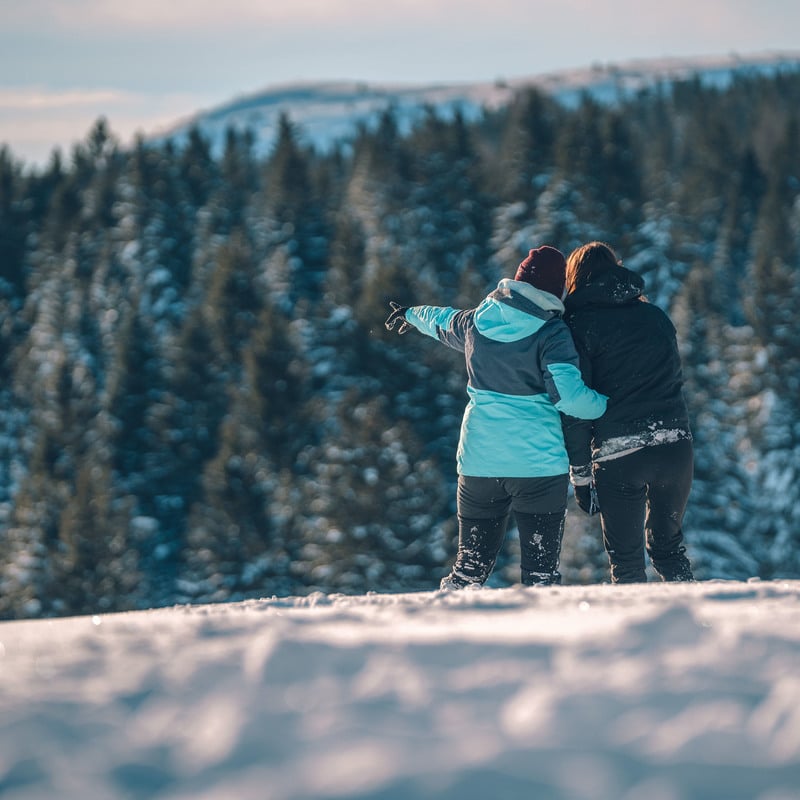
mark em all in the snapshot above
pixel 657 691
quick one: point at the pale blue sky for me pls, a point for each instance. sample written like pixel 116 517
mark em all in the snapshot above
pixel 146 63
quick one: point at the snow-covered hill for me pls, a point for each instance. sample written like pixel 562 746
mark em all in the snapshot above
pixel 329 111
pixel 656 692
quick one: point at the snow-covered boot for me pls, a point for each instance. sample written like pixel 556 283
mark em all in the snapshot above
pixel 540 547
pixel 626 573
pixel 674 567
pixel 455 581
pixel 479 541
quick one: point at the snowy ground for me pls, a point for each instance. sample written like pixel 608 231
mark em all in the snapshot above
pixel 650 692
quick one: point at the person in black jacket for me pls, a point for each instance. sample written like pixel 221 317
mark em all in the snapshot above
pixel 635 463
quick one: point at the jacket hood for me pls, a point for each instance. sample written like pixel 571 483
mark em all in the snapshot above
pixel 615 287
pixel 515 310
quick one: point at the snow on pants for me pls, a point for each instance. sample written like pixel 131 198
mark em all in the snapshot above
pixel 539 506
pixel 642 499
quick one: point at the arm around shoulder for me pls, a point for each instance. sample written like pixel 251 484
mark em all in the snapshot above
pixel 565 384
pixel 575 398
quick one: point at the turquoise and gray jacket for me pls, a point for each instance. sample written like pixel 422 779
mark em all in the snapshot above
pixel 522 370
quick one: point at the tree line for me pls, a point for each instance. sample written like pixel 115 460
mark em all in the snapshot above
pixel 199 400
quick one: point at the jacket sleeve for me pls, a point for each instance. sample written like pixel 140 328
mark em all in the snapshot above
pixel 562 377
pixel 578 433
pixel 578 439
pixel 446 324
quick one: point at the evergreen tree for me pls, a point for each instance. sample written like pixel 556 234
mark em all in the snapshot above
pixel 775 278
pixel 96 568
pixel 236 547
pixel 525 156
pixel 297 212
pixel 199 173
pixel 376 515
pixel 735 239
pixel 449 220
pixel 12 227
pixel 233 300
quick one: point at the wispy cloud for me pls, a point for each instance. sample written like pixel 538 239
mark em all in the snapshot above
pixel 175 16
pixel 179 15
pixel 33 122
pixel 42 99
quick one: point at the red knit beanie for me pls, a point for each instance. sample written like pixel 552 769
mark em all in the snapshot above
pixel 546 269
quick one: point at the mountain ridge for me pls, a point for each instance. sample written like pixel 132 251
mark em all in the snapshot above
pixel 328 112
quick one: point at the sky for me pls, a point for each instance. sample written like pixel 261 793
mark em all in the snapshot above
pixel 632 692
pixel 146 64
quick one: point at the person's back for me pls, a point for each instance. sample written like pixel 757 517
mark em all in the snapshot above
pixel 628 352
pixel 639 455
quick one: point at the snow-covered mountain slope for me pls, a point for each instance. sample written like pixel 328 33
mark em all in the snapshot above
pixel 329 111
pixel 657 691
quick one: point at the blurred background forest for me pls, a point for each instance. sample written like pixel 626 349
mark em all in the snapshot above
pixel 199 399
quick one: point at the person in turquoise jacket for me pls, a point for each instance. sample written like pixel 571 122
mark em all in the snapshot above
pixel 523 372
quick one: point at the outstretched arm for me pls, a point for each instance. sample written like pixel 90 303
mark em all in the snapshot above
pixel 446 324
pixel 431 320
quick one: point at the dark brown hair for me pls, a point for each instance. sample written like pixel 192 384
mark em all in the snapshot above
pixel 587 262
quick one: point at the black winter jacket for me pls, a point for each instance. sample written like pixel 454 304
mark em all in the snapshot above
pixel 628 351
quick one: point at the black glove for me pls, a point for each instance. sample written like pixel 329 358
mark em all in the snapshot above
pixel 586 498
pixel 398 315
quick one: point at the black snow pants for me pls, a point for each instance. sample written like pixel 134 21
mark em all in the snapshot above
pixel 642 499
pixel 539 506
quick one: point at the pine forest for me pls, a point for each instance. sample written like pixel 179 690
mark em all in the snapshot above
pixel 199 400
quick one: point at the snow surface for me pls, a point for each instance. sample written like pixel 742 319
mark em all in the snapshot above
pixel 651 691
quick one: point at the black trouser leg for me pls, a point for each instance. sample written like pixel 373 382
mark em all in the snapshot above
pixel 667 495
pixel 483 507
pixel 622 513
pixel 643 498
pixel 479 542
pixel 539 505
pixel 540 547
